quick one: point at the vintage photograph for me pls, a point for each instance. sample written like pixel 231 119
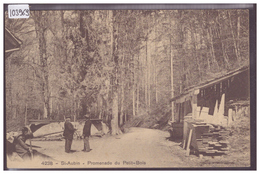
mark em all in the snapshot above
pixel 127 89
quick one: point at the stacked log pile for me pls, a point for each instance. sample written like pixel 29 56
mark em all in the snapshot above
pixel 213 142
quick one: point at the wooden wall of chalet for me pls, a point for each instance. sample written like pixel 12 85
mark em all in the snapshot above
pixel 182 109
pixel 235 88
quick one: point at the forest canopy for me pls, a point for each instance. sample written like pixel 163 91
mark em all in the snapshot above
pixel 118 62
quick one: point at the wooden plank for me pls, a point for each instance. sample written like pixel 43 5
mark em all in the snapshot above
pixel 218 145
pixel 209 148
pixel 211 151
pixel 198 112
pixel 204 114
pixel 224 149
pixel 188 144
pixel 230 117
pixel 207 134
pixel 202 150
pixel 194 106
pixel 223 142
pixel 221 110
pixel 234 115
pixel 212 143
pixel 215 114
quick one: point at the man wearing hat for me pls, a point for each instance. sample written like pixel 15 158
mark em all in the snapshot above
pixel 21 148
pixel 68 134
pixel 86 133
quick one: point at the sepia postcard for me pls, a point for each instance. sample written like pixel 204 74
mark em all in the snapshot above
pixel 130 86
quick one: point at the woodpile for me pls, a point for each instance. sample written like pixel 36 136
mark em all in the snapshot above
pixel 213 142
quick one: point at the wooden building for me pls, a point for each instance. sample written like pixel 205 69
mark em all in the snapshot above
pixel 202 112
pixel 215 101
pixel 12 43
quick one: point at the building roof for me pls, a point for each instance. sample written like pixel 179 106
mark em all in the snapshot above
pixel 12 43
pixel 211 82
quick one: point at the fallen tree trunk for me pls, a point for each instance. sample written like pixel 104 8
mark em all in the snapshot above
pixel 47 134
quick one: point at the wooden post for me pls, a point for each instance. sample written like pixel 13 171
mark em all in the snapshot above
pixel 173 119
pixel 195 104
pixel 184 108
pixel 234 115
pixel 188 144
pixel 185 131
pixel 230 111
pixel 31 149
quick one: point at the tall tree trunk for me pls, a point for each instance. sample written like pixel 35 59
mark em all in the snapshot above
pixel 195 49
pixel 212 46
pixel 138 86
pixel 225 56
pixel 149 71
pixel 40 27
pixel 114 121
pixel 133 87
pixel 122 104
pixel 234 39
pixel 172 87
pixel 122 78
pixel 146 78
pixel 114 47
pixel 238 33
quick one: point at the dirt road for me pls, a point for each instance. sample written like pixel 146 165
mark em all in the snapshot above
pixel 138 148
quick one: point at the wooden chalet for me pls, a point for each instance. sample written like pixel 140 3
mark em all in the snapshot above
pixel 210 101
pixel 203 112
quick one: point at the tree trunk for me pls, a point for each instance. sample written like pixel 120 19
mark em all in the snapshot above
pixel 122 104
pixel 212 46
pixel 114 46
pixel 40 27
pixel 172 87
pixel 137 88
pixel 122 78
pixel 225 56
pixel 149 72
pixel 146 78
pixel 114 121
pixel 234 39
pixel 133 91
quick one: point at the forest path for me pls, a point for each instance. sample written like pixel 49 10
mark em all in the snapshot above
pixel 138 148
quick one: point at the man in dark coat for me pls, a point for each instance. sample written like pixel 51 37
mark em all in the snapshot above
pixel 68 134
pixel 87 133
pixel 22 149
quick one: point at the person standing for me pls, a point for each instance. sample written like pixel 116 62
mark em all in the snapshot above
pixel 68 134
pixel 86 134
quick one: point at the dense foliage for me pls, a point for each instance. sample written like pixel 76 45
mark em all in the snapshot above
pixel 123 62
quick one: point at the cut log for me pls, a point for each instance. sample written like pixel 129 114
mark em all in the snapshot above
pixel 47 134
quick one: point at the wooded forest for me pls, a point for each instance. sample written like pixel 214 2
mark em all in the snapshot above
pixel 122 63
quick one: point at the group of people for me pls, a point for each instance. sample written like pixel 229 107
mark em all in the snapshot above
pixel 25 151
pixel 69 132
